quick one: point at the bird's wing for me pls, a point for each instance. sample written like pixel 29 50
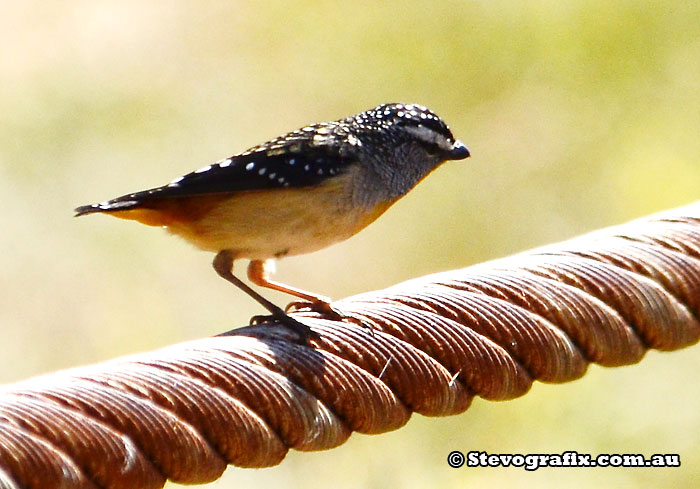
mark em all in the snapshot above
pixel 292 160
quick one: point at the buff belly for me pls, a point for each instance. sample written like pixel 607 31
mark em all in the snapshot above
pixel 261 224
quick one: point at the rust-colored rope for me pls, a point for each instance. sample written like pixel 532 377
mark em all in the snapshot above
pixel 428 346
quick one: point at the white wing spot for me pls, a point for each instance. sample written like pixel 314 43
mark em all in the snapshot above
pixel 177 180
pixel 203 169
pixel 307 167
pixel 262 171
pixel 292 161
pixel 272 176
pixel 225 163
pixel 250 166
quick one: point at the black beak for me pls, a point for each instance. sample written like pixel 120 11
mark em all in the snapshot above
pixel 458 152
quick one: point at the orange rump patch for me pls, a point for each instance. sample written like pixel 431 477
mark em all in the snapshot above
pixel 149 217
pixel 165 212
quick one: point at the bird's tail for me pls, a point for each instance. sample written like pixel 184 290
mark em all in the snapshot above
pixel 142 207
pixel 127 207
pixel 110 206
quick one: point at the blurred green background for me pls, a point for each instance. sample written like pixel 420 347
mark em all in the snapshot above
pixel 579 115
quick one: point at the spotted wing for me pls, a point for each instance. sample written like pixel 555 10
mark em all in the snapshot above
pixel 281 163
pixel 257 171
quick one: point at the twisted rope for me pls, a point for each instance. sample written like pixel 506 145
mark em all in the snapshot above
pixel 186 411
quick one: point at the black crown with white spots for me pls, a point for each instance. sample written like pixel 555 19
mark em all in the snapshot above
pixel 301 158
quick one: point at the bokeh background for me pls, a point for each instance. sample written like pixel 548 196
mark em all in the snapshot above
pixel 579 114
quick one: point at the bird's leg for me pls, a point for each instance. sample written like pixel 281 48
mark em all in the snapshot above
pixel 259 274
pixel 223 264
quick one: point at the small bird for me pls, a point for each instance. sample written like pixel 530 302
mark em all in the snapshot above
pixel 297 193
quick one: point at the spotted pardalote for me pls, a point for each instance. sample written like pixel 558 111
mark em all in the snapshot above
pixel 296 193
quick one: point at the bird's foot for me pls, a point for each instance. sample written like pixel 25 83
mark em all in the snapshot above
pixel 329 311
pixel 305 333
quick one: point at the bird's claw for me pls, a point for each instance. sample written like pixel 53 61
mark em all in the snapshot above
pixel 330 312
pixel 304 331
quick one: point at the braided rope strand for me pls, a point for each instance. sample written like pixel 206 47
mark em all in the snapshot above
pixel 245 398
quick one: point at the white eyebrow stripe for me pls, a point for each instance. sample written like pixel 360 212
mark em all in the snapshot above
pixel 429 136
